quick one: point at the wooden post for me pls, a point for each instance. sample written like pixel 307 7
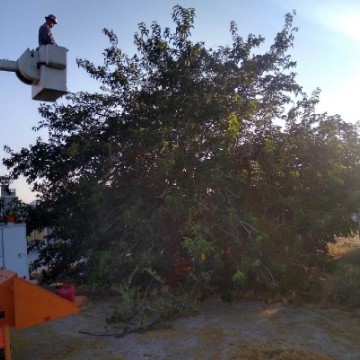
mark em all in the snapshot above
pixel 5 329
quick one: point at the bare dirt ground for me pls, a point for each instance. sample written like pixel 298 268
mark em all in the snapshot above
pixel 245 330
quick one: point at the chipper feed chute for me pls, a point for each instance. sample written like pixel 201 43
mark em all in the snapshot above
pixel 23 304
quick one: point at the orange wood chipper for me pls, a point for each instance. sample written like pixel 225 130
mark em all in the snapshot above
pixel 23 304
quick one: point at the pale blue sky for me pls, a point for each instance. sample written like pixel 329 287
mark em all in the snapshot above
pixel 327 47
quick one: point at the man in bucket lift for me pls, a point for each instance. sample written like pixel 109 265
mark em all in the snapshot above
pixel 45 35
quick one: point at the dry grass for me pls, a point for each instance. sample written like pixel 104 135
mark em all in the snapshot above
pixel 342 283
pixel 274 351
pixel 344 246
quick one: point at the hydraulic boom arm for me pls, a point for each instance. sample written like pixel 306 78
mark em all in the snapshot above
pixel 8 65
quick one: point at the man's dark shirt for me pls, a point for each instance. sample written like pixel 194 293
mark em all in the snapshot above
pixel 45 35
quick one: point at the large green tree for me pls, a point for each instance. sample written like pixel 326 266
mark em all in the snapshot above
pixel 188 151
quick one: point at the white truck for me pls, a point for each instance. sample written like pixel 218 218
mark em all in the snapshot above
pixel 13 248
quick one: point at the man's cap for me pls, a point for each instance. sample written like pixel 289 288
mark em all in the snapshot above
pixel 51 17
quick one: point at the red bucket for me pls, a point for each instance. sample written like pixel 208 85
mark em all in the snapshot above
pixel 66 291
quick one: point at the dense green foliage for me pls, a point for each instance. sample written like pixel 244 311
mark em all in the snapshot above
pixel 181 156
